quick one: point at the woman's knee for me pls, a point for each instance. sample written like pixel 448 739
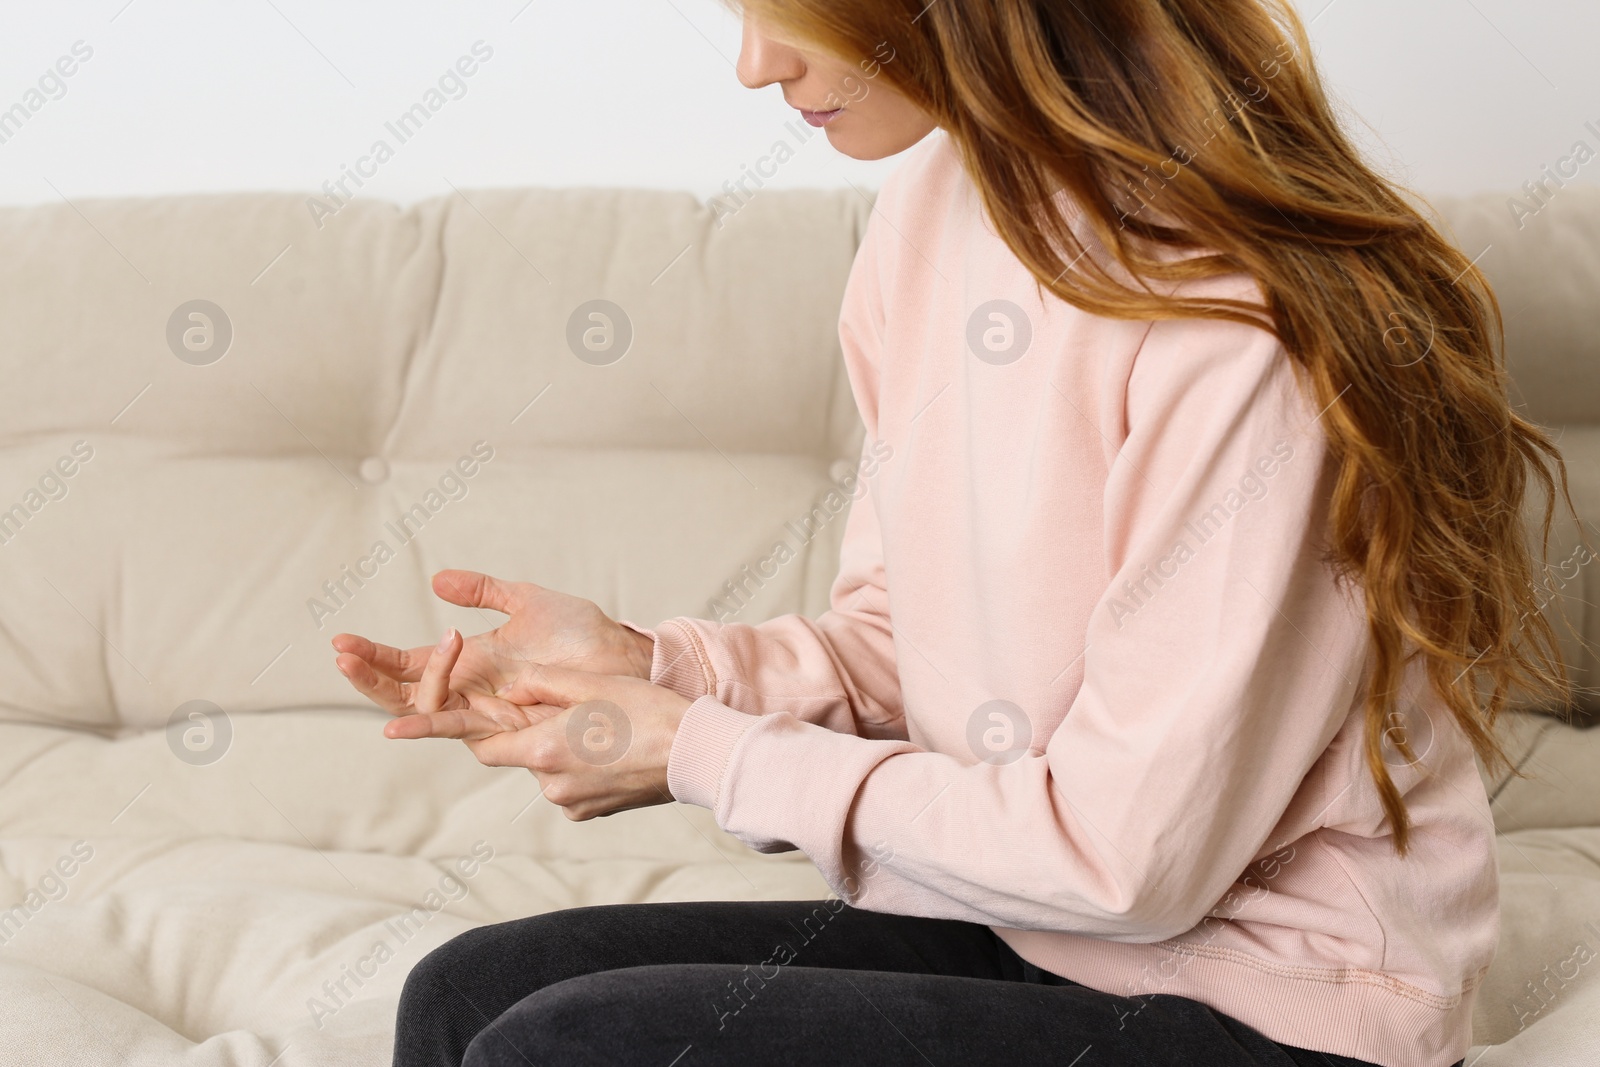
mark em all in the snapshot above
pixel 635 1013
pixel 494 966
pixel 554 1025
pixel 431 981
pixel 455 990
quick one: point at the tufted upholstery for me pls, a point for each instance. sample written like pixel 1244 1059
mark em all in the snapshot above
pixel 220 501
pixel 230 910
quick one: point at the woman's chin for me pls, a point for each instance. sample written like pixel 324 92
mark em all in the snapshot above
pixel 846 146
pixel 862 148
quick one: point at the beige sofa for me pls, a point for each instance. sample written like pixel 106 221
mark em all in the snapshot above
pixel 211 856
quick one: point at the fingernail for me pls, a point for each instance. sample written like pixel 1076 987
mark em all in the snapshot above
pixel 444 642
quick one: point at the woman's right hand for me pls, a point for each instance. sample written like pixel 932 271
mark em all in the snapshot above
pixel 545 627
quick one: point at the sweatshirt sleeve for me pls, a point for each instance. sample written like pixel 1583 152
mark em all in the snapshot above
pixel 1219 662
pixel 838 670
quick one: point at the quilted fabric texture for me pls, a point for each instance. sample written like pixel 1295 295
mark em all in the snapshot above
pixel 230 910
pixel 209 855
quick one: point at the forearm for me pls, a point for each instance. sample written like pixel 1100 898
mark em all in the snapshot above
pixel 836 671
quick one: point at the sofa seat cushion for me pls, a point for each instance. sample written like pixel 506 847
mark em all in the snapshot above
pixel 1540 1000
pixel 272 901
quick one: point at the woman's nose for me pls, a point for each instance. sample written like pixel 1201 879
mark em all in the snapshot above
pixel 763 60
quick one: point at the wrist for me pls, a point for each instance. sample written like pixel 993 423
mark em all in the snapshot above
pixel 641 652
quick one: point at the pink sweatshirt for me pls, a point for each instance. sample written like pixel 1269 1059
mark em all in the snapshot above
pixel 1084 679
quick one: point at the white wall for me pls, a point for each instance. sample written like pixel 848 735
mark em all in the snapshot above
pixel 186 95
pixel 1464 95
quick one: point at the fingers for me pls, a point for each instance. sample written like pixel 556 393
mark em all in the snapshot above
pixel 432 691
pixel 403 665
pixel 461 723
pixel 382 690
pixel 499 750
pixel 484 716
pixel 531 748
pixel 473 590
pixel 429 693
pixel 511 717
pixel 540 683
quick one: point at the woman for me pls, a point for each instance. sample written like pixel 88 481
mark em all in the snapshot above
pixel 1197 498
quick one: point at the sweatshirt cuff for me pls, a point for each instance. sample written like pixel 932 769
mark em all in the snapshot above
pixel 706 738
pixel 676 661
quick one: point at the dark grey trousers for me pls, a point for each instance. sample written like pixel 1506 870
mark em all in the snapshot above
pixel 796 983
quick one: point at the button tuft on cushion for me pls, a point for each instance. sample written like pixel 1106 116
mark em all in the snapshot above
pixel 374 470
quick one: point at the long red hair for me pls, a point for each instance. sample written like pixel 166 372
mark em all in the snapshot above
pixel 1202 125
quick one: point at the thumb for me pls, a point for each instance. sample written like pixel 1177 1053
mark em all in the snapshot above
pixel 562 687
pixel 473 590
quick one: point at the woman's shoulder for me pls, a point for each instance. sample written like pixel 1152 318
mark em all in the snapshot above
pixel 928 172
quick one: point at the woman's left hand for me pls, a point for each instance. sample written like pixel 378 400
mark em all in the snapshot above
pixel 598 743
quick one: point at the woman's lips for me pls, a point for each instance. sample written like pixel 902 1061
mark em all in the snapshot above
pixel 821 118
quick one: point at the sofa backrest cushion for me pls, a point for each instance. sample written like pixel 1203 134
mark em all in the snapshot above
pixel 195 497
